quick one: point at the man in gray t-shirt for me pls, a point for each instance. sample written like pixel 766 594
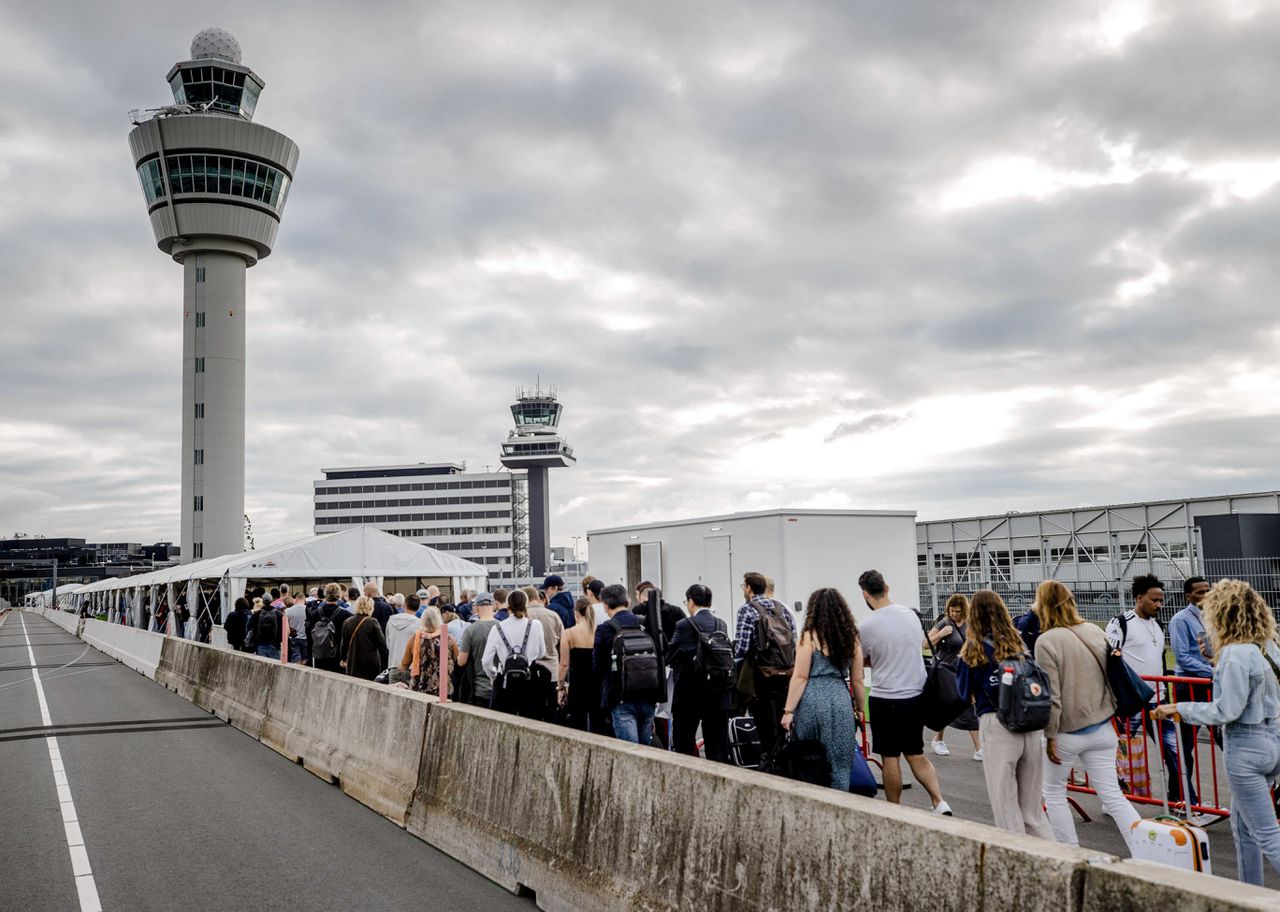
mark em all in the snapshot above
pixel 476 681
pixel 892 642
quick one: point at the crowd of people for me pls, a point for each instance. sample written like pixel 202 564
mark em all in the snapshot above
pixel 631 665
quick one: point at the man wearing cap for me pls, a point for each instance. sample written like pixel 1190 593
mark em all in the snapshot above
pixel 477 687
pixel 558 600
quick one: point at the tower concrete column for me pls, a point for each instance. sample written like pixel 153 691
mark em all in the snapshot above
pixel 213 400
pixel 539 519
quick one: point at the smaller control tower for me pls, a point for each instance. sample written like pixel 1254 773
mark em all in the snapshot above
pixel 535 445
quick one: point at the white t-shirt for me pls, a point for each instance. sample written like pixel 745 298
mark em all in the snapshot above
pixel 602 616
pixel 891 645
pixel 1143 647
pixel 495 651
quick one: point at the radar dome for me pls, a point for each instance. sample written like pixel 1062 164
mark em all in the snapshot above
pixel 215 42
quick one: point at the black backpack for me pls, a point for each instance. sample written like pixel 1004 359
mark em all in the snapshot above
pixel 324 636
pixel 268 627
pixel 1025 701
pixel 516 673
pixel 635 664
pixel 713 661
pixel 775 644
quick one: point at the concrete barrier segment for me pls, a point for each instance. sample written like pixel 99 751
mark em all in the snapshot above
pixel 592 823
pixel 139 649
pixel 234 686
pixel 1150 887
pixel 366 737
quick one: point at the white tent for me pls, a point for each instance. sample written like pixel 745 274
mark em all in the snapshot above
pixel 44 599
pixel 361 554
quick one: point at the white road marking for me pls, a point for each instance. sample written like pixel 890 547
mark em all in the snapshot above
pixel 86 888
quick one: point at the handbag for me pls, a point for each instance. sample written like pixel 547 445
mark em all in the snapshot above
pixel 1131 693
pixel 941 700
pixel 802 760
pixel 861 782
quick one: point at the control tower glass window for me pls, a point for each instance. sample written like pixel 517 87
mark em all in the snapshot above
pixel 216 174
pixel 233 91
pixel 541 413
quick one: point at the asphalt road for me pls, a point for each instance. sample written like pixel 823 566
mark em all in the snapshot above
pixel 177 810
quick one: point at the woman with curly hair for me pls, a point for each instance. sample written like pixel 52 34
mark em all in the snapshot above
pixel 1246 701
pixel 818 706
pixel 1013 767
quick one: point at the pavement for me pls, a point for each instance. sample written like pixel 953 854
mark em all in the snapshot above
pixel 178 810
pixel 965 789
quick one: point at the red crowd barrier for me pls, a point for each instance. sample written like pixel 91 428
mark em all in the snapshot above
pixel 1133 766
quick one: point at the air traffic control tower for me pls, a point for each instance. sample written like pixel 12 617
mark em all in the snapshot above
pixel 536 445
pixel 215 184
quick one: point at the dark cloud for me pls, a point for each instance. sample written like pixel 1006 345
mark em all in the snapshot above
pixel 1031 249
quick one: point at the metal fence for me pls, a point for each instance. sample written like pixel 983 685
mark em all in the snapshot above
pixel 1099 598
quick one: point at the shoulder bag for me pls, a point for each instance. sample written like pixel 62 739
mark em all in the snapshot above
pixel 941 700
pixel 1132 694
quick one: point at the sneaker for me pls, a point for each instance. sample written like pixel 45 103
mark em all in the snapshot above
pixel 942 808
pixel 1203 820
pixel 940 748
pixel 977 755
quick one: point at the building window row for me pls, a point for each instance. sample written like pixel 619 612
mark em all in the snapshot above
pixel 411 502
pixel 199 457
pixel 223 174
pixel 409 517
pixel 423 486
pixel 199 273
pixel 199 319
pixel 198 504
pixel 199 365
pixel 199 410
pixel 454 532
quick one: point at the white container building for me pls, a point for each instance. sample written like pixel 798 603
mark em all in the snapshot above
pixel 801 550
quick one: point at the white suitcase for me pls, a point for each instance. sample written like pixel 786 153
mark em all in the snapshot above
pixel 1167 839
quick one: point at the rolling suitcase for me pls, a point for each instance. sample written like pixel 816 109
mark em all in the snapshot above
pixel 1167 839
pixel 744 742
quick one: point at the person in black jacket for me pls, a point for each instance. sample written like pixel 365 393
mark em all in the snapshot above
pixel 363 650
pixel 265 629
pixel 693 704
pixel 236 625
pixel 633 717
pixel 330 611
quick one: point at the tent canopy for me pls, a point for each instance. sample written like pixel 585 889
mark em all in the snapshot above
pixel 359 552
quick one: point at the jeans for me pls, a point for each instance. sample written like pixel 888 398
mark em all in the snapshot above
pixel 1252 758
pixel 297 650
pixel 634 722
pixel 1169 749
pixel 270 652
pixel 1096 751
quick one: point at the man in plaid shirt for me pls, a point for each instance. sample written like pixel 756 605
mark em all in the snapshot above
pixel 769 693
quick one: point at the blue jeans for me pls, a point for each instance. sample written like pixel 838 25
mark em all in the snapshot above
pixel 270 652
pixel 1252 758
pixel 634 722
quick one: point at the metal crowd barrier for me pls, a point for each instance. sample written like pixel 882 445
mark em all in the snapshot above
pixel 1133 767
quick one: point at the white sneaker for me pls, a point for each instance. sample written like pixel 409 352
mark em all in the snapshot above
pixel 940 748
pixel 942 808
pixel 977 755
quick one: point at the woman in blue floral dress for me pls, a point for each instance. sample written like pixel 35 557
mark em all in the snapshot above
pixel 828 657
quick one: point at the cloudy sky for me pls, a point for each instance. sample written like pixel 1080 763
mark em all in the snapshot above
pixel 950 257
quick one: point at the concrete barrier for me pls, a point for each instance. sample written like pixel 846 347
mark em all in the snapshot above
pixel 64 619
pixel 139 649
pixel 1146 885
pixel 366 737
pixel 234 686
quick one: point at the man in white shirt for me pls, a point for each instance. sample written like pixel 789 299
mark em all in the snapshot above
pixel 892 643
pixel 1139 636
pixel 593 590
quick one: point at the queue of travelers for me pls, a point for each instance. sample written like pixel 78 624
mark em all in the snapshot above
pixel 621 664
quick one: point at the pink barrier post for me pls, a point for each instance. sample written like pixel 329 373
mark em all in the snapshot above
pixel 444 663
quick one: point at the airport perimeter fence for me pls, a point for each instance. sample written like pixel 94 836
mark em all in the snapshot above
pixel 1102 589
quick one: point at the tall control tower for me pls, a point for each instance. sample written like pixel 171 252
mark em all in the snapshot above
pixel 215 184
pixel 536 445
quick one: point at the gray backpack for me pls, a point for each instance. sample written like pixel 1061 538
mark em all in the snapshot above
pixel 1025 702
pixel 324 637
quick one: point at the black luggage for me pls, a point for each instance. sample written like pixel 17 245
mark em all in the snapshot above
pixel 744 742
pixel 802 760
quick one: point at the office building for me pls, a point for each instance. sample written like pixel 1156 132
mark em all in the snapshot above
pixel 473 515
pixel 215 185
